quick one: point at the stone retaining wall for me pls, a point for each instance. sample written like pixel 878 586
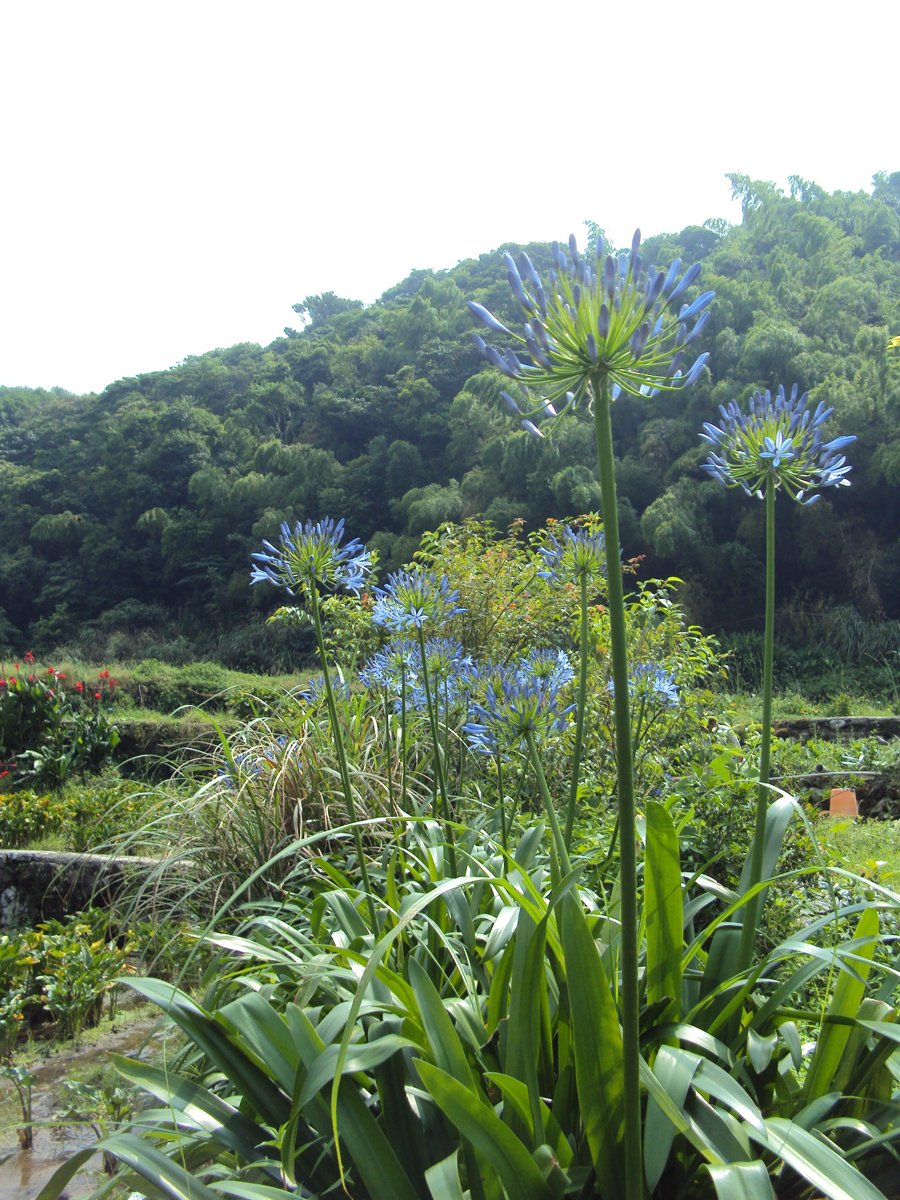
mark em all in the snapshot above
pixel 39 885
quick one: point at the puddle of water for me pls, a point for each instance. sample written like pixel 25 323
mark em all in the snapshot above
pixel 24 1172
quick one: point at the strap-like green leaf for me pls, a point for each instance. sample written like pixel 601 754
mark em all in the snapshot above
pixel 362 1056
pixel 527 1005
pixel 261 1027
pixel 246 1074
pixel 206 1111
pixel 597 1038
pixel 517 1171
pixel 712 1080
pixel 55 1186
pixel 443 1040
pixel 168 1177
pixel 369 1149
pixel 815 1161
pixel 663 911
pixel 742 1181
pixel 845 1001
pixel 443 1180
pixel 674 1072
pixel 778 814
pixel 515 1093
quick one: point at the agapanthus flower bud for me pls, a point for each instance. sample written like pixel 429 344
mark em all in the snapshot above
pixel 686 280
pixel 696 306
pixel 515 282
pixel 639 339
pixel 486 318
pixel 530 273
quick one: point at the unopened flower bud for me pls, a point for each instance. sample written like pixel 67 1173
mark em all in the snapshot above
pixel 486 318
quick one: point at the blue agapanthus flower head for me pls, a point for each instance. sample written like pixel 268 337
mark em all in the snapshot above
pixel 611 319
pixel 576 555
pixel 647 681
pixel 312 555
pixel 449 671
pixel 527 698
pixel 314 691
pixel 415 598
pixel 656 681
pixel 778 441
pixel 393 669
pixel 397 669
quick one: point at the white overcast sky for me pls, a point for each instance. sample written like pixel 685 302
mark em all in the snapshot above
pixel 176 175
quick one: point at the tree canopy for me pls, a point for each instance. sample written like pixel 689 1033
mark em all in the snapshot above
pixel 142 504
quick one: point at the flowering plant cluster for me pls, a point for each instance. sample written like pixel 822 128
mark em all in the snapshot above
pixel 578 555
pixel 414 599
pixel 82 816
pixel 530 699
pixel 399 670
pixel 50 726
pixel 60 970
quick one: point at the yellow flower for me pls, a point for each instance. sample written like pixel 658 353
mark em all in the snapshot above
pixel 894 343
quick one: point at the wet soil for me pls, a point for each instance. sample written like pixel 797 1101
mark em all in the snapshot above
pixel 24 1172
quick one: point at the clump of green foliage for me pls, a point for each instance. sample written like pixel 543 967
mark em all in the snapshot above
pixel 81 815
pixel 51 727
pixel 61 971
pixel 471 976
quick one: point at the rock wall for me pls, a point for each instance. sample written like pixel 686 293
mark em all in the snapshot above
pixel 39 885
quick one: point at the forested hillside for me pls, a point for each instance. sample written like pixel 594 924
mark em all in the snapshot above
pixel 137 509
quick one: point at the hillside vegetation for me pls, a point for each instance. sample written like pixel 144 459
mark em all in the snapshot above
pixel 127 518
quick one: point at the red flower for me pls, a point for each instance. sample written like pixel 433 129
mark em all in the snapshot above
pixel 29 657
pixel 79 687
pixel 96 695
pixel 2 683
pixel 104 675
pixel 60 674
pixel 50 670
pixel 3 774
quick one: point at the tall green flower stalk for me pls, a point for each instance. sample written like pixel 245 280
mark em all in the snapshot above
pixel 310 557
pixel 411 602
pixel 577 557
pixel 777 445
pixel 601 329
pixel 523 704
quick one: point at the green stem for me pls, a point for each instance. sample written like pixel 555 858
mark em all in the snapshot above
pixel 389 751
pixel 630 999
pixel 403 742
pixel 342 760
pixel 752 908
pixel 502 801
pixel 558 843
pixel 579 719
pixel 439 771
